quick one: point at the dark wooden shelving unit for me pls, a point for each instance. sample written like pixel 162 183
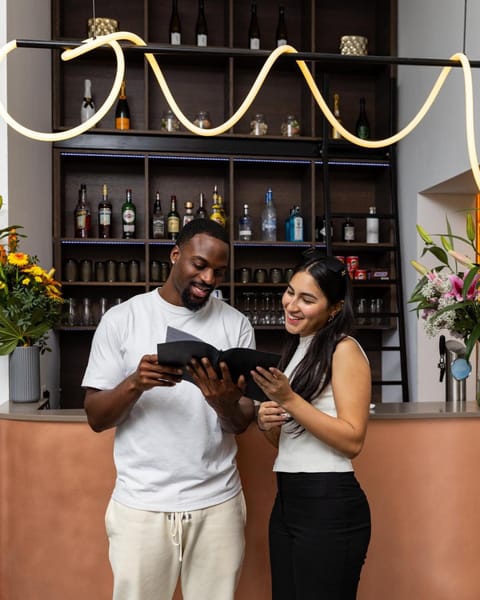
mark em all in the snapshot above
pixel 327 178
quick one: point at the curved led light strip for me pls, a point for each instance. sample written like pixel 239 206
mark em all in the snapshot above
pixel 111 40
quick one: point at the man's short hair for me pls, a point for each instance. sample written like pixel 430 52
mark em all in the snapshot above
pixel 206 226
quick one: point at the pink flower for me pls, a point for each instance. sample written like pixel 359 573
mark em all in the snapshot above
pixel 457 288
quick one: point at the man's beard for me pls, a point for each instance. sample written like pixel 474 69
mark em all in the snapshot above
pixel 193 303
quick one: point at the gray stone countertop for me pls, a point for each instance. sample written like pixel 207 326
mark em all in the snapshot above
pixel 37 411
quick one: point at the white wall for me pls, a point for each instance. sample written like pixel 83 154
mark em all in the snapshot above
pixel 3 174
pixel 25 178
pixel 436 151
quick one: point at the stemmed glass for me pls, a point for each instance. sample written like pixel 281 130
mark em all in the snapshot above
pixel 280 311
pixel 246 305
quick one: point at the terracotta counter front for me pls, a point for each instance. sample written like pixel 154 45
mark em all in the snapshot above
pixel 418 468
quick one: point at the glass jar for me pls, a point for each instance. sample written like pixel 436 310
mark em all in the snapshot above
pixel 202 120
pixel 169 122
pixel 155 270
pixel 290 127
pixel 71 270
pixel 258 125
pixel 86 270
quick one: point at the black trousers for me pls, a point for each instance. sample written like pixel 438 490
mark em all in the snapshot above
pixel 319 534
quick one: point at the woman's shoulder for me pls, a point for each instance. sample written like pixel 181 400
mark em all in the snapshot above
pixel 349 345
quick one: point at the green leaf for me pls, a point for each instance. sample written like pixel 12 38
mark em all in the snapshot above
pixel 467 282
pixel 472 340
pixel 439 253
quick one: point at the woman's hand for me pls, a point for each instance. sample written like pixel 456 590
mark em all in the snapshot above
pixel 271 414
pixel 274 384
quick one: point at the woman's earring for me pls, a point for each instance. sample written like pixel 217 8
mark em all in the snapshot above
pixel 330 318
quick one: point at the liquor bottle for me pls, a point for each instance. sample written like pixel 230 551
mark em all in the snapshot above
pixel 188 216
pixel 281 37
pixel 175 27
pixel 122 112
pixel 348 230
pixel 158 219
pixel 321 230
pixel 217 212
pixel 269 218
pixel 296 227
pixel 82 214
pixel 254 30
pixel 372 226
pixel 201 212
pixel 245 225
pixel 87 109
pixel 336 113
pixel 104 215
pixel 201 28
pixel 129 216
pixel 363 126
pixel 173 220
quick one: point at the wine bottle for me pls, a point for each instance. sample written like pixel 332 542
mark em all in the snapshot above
pixel 87 109
pixel 269 218
pixel 245 225
pixel 129 216
pixel 336 113
pixel 188 216
pixel 372 226
pixel 254 30
pixel 201 27
pixel 348 230
pixel 175 27
pixel 158 219
pixel 173 220
pixel 122 112
pixel 363 126
pixel 201 212
pixel 82 214
pixel 104 215
pixel 281 37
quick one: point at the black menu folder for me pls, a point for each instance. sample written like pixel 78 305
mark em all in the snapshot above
pixel 181 347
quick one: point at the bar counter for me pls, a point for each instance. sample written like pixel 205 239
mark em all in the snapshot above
pixel 418 468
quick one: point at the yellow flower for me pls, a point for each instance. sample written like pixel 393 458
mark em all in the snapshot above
pixel 26 281
pixel 18 259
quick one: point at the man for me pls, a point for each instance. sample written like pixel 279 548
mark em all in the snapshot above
pixel 177 509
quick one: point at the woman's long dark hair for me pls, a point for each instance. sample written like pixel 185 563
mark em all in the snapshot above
pixel 314 372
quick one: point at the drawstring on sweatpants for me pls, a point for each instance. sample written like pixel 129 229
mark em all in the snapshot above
pixel 176 529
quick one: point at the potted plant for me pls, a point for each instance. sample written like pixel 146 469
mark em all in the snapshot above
pixel 30 305
pixel 447 296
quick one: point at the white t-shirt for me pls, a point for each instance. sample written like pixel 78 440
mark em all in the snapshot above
pixel 305 453
pixel 171 453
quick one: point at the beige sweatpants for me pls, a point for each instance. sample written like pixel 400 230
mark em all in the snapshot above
pixel 149 551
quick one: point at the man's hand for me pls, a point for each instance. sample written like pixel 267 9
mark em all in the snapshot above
pixel 234 410
pixel 150 374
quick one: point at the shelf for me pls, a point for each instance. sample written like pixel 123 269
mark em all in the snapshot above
pixel 328 179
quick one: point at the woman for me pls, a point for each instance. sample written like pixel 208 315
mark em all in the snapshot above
pixel 317 416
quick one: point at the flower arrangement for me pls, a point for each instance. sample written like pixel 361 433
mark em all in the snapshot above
pixel 448 295
pixel 30 299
